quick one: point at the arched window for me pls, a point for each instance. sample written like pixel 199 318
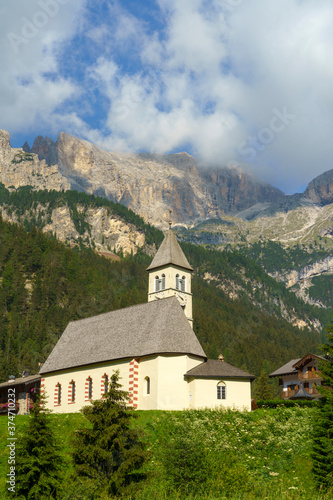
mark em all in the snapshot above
pixel 181 283
pixel 147 379
pixel 106 383
pixel 71 392
pixel 159 283
pixel 58 392
pixel 221 390
pixel 88 389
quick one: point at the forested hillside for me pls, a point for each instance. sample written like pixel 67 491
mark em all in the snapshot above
pixel 44 285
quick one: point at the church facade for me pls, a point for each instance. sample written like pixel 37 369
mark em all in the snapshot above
pixel 160 360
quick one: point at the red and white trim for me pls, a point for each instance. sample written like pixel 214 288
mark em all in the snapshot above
pixel 70 389
pixel 133 382
pixel 57 390
pixel 86 389
pixel 42 386
pixel 105 376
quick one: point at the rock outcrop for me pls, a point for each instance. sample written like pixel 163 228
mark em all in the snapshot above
pixel 318 268
pixel 106 233
pixel 320 189
pixel 19 168
pixel 46 150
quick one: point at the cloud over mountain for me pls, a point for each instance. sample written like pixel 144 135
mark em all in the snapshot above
pixel 229 81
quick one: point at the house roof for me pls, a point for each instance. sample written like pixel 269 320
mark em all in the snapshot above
pixel 309 357
pixel 287 369
pixel 156 327
pixel 22 380
pixel 294 365
pixel 213 368
pixel 170 252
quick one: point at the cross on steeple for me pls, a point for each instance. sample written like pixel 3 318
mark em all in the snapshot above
pixel 170 219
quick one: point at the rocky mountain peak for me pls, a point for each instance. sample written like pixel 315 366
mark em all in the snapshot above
pixel 26 147
pixel 46 150
pixel 320 189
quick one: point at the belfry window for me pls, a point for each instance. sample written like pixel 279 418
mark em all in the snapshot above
pixel 159 283
pixel 181 283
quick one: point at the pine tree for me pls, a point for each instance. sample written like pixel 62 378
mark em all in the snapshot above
pixel 38 461
pixel 323 424
pixel 110 453
pixel 263 388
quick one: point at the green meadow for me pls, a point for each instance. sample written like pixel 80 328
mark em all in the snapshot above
pixel 206 454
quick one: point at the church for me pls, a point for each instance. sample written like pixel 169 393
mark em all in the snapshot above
pixel 153 346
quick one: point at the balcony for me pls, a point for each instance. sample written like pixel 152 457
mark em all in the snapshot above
pixel 291 392
pixel 309 375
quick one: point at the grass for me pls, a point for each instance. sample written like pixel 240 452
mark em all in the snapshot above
pixel 211 454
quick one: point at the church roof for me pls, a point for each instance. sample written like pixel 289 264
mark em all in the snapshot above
pixel 170 252
pixel 213 368
pixel 156 327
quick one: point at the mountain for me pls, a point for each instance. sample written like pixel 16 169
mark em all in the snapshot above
pixel 149 184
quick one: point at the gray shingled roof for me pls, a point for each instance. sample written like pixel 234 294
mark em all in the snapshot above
pixel 214 368
pixel 22 380
pixel 287 369
pixel 156 327
pixel 170 253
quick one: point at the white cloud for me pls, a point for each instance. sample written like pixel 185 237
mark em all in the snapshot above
pixel 30 86
pixel 211 77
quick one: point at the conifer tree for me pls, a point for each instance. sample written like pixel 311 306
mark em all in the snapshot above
pixel 323 424
pixel 263 388
pixel 111 452
pixel 38 461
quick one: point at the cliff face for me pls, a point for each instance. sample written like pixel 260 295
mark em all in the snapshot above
pixel 149 184
pixel 320 190
pixel 152 184
pixel 107 232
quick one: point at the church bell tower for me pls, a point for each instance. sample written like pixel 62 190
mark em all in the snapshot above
pixel 170 275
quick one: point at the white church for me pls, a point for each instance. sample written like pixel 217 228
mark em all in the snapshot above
pixel 160 360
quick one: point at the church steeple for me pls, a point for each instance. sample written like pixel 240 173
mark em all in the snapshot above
pixel 170 274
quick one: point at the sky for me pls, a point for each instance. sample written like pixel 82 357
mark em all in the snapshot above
pixel 245 83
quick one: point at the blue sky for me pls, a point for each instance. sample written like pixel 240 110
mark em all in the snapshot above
pixel 233 82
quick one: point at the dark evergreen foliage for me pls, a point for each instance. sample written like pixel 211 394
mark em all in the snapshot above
pixel 38 461
pixel 323 424
pixel 263 388
pixel 111 452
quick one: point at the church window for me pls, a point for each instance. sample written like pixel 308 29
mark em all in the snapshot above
pixel 72 391
pixel 147 379
pixel 159 283
pixel 221 390
pixel 88 389
pixel 106 384
pixel 58 392
pixel 181 283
